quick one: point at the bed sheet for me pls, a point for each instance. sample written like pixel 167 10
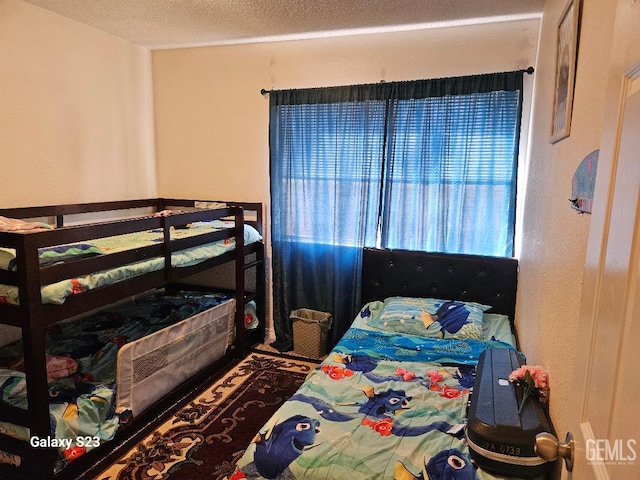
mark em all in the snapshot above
pixel 58 292
pixel 83 404
pixel 380 406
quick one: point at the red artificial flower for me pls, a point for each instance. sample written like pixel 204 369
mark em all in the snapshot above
pixel 533 380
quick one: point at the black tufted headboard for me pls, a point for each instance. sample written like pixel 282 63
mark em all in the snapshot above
pixel 487 280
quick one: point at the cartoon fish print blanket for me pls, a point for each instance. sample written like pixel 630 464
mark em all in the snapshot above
pixel 381 406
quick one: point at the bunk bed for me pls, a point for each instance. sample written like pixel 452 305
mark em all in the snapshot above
pixel 390 400
pixel 69 264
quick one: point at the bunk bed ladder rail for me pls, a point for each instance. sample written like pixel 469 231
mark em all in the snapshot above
pixel 240 333
pixel 260 294
pixel 255 218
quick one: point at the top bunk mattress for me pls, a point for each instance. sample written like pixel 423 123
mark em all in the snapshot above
pixel 57 293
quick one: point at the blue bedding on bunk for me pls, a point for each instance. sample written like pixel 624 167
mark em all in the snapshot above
pixel 83 403
pixel 56 293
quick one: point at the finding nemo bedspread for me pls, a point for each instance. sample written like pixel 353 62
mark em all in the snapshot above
pixel 382 405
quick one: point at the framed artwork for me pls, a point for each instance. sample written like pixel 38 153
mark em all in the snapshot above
pixel 566 56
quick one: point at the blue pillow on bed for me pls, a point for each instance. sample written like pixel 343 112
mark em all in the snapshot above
pixel 430 317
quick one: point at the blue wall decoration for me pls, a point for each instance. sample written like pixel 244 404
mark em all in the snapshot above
pixel 583 184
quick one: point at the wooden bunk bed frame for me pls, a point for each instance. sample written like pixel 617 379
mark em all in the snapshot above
pixel 33 317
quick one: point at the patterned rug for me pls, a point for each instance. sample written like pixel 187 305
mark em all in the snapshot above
pixel 207 436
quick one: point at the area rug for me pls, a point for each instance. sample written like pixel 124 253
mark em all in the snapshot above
pixel 207 436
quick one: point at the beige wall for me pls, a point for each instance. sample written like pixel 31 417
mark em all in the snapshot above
pixel 212 123
pixel 76 112
pixel 555 236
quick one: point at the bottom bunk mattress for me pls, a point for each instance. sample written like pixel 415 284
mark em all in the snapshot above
pixel 115 363
pixel 384 404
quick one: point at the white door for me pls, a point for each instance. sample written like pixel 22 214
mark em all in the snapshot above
pixel 606 421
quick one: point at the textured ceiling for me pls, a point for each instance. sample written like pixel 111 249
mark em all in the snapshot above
pixel 187 23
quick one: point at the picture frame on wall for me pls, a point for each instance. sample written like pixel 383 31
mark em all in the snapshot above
pixel 566 59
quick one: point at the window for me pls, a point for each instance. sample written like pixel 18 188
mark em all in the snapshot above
pixel 426 165
pixel 451 174
pixel 331 174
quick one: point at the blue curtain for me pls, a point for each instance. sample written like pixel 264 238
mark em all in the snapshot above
pixel 451 162
pixel 426 165
pixel 326 158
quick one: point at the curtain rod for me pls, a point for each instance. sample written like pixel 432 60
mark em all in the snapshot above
pixel 528 71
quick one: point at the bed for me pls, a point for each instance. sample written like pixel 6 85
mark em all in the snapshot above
pixel 390 400
pixel 68 264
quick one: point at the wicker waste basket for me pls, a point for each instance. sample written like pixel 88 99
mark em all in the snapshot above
pixel 310 331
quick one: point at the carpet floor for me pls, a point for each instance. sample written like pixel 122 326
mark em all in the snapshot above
pixel 205 438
